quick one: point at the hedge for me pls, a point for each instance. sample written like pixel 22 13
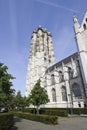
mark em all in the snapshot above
pixel 30 110
pixel 48 111
pixel 83 110
pixel 68 110
pixel 40 118
pixel 56 112
pixel 6 121
pixel 78 111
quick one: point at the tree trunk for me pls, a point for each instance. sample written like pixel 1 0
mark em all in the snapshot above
pixel 37 109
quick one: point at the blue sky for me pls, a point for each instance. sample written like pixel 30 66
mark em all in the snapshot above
pixel 18 19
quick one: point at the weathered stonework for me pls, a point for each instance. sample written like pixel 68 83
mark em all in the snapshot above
pixel 66 88
pixel 81 40
pixel 41 57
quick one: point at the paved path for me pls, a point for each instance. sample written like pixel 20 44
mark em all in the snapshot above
pixel 74 123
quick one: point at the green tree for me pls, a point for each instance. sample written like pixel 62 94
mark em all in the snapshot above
pixel 38 96
pixel 5 86
pixel 20 101
pixel 25 102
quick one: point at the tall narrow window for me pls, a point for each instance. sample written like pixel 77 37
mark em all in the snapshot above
pixel 61 76
pixel 44 58
pixel 84 26
pixel 53 95
pixel 49 61
pixel 86 19
pixel 64 95
pixel 45 83
pixel 70 71
pixel 76 90
pixel 52 79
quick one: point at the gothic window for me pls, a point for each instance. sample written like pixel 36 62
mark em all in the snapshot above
pixel 70 71
pixel 86 19
pixel 52 79
pixel 64 95
pixel 84 26
pixel 46 91
pixel 61 76
pixel 76 90
pixel 45 83
pixel 53 95
pixel 44 58
pixel 49 61
pixel 37 47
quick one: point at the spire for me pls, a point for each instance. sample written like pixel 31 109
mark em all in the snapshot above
pixel 76 24
pixel 75 19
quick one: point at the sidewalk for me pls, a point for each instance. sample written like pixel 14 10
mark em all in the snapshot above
pixel 75 115
pixel 83 115
pixel 76 123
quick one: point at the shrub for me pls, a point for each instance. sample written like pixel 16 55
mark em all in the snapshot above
pixel 6 121
pixel 56 112
pixel 40 118
pixel 78 111
pixel 83 111
pixel 48 111
pixel 30 110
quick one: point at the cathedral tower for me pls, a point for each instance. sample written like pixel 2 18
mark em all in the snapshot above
pixel 41 57
pixel 81 40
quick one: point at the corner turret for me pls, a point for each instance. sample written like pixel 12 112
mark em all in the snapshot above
pixel 76 24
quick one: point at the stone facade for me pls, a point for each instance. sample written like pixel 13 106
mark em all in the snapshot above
pixel 65 81
pixel 64 84
pixel 41 57
pixel 81 40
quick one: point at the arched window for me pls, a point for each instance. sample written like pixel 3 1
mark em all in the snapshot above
pixel 64 94
pixel 53 95
pixel 61 76
pixel 45 83
pixel 49 61
pixel 52 79
pixel 86 19
pixel 76 90
pixel 70 71
pixel 84 26
pixel 44 58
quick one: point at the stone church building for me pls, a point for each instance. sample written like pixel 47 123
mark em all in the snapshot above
pixel 66 81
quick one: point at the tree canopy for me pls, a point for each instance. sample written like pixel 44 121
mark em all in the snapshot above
pixel 20 101
pixel 5 86
pixel 38 96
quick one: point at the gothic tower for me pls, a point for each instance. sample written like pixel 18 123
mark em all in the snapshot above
pixel 81 40
pixel 41 57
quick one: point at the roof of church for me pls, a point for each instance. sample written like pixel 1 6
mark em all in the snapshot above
pixel 65 61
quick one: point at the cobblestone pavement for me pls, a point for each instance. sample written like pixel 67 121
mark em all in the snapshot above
pixel 72 123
